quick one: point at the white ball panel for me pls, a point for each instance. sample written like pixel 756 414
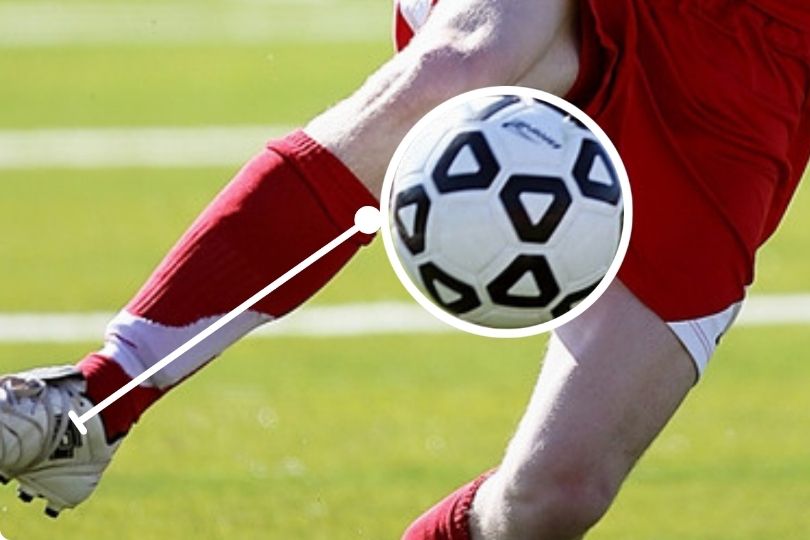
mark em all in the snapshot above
pixel 462 231
pixel 414 160
pixel 588 247
pixel 504 317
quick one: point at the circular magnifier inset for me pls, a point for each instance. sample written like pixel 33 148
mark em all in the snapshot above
pixel 506 211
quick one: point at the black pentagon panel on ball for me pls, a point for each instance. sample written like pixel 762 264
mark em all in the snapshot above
pixel 450 293
pixel 474 175
pixel 534 225
pixel 411 208
pixel 527 282
pixel 568 303
pixel 595 175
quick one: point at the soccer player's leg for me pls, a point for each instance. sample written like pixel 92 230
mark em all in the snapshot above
pixel 613 377
pixel 282 206
pixel 610 381
pixel 285 204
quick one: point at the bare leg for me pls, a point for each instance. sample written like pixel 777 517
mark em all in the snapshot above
pixel 611 381
pixel 466 44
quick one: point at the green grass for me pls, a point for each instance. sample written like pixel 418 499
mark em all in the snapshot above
pixel 323 439
pixel 350 438
pixel 734 463
pixel 103 235
pixel 188 85
pixel 102 231
pixel 783 264
pixel 339 438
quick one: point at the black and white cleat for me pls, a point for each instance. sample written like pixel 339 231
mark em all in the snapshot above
pixel 60 463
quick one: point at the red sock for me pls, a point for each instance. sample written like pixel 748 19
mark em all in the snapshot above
pixel 104 377
pixel 286 203
pixel 448 519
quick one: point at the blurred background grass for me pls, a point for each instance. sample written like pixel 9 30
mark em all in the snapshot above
pixel 324 438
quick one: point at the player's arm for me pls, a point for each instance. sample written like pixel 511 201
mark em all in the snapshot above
pixel 465 44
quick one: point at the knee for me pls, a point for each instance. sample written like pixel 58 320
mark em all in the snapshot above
pixel 562 504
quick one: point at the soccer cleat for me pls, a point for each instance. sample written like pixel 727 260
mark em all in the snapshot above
pixel 40 447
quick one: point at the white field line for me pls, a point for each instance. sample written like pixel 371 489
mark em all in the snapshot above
pixel 55 24
pixel 113 147
pixel 327 321
pixel 364 319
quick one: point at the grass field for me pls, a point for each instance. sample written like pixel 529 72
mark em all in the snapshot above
pixel 332 438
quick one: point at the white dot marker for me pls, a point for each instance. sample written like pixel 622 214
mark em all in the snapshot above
pixel 367 220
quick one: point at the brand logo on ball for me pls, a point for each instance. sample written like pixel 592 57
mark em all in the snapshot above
pixel 531 133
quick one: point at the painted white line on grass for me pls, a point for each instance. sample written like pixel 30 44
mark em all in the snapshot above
pixel 54 24
pixel 775 309
pixel 319 321
pixel 366 220
pixel 95 148
pixel 362 319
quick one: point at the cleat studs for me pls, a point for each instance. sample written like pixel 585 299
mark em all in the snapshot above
pixel 24 496
pixel 51 513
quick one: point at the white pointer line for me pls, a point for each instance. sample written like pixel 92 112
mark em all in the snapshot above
pixel 367 220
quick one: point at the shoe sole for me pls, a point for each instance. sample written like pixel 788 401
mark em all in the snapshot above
pixel 27 492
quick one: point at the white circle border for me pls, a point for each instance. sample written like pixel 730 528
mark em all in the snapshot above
pixel 452 320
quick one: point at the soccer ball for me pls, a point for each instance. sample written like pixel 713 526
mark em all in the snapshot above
pixel 504 210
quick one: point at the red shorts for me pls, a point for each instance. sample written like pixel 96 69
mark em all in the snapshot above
pixel 707 102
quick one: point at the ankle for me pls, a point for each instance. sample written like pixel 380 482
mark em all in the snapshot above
pixel 105 376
